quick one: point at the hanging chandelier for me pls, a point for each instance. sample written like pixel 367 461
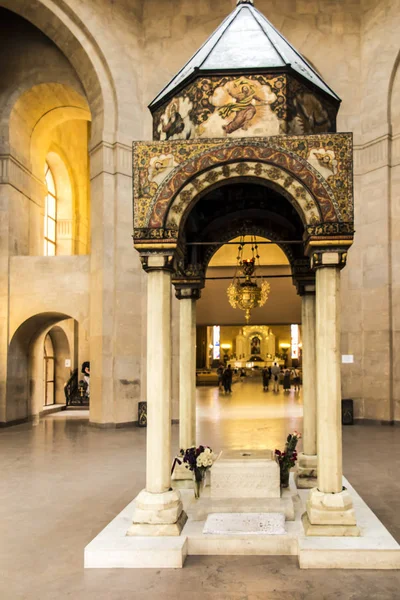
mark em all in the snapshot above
pixel 244 292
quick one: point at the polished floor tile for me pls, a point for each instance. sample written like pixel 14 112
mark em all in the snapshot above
pixel 63 481
pixel 248 417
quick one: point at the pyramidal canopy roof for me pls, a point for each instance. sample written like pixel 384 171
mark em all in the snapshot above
pixel 245 40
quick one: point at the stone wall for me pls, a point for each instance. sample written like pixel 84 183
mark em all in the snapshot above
pixel 371 310
pixel 115 57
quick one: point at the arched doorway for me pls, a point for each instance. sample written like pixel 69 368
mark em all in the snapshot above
pixel 43 352
pixel 59 362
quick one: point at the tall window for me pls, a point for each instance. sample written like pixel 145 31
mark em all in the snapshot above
pixel 50 215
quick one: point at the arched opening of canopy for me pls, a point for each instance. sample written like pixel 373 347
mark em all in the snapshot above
pixel 272 224
pixel 283 304
pixel 297 192
pixel 237 207
pixel 223 338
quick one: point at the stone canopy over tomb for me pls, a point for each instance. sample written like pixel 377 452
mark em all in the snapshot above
pixel 246 80
pixel 247 109
pixel 245 143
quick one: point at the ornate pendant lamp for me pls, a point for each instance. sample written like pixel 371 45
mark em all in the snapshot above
pixel 244 292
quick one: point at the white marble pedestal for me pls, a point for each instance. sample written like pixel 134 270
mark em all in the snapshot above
pixel 245 474
pixel 374 549
pixel 208 504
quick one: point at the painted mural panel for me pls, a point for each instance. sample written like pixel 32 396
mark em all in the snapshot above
pixel 308 112
pixel 245 106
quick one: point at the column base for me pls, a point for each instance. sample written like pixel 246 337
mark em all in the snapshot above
pixel 158 530
pixel 306 474
pixel 330 513
pixel 157 514
pixel 329 530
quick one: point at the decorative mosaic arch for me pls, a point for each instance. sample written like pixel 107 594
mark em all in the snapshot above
pixel 313 172
pixel 294 190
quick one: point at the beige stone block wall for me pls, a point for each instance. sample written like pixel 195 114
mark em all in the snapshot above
pixel 366 298
pixel 373 312
pixel 32 288
pixel 126 52
pixel 37 303
pixel 130 284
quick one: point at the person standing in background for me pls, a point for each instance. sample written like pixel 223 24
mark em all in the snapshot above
pixel 275 372
pixel 265 377
pixel 286 380
pixel 227 379
pixel 220 372
pixel 296 379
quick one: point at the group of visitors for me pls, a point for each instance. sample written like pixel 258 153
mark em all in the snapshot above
pixel 225 375
pixel 273 374
pixel 270 375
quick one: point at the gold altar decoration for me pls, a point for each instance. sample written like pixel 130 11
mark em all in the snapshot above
pixel 244 292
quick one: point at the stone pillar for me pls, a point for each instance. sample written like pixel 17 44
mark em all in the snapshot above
pixel 329 507
pixel 187 297
pixel 158 508
pixel 187 367
pixel 306 476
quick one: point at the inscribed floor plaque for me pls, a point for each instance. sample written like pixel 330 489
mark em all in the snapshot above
pixel 245 524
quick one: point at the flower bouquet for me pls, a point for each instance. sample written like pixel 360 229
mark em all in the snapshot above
pixel 287 459
pixel 198 460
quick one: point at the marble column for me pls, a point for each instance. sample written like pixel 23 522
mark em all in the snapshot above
pixel 187 368
pixel 158 508
pixel 329 507
pixel 306 475
pixel 187 378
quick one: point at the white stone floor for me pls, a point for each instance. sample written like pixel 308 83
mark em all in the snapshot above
pixel 63 481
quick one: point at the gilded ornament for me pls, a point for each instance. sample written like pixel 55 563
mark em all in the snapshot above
pixel 244 292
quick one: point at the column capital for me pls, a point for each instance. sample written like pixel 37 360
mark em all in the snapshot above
pixel 157 262
pixel 188 281
pixel 328 257
pixel 183 292
pixel 303 275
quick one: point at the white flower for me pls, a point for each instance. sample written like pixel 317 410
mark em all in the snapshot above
pixel 205 459
pixel 199 460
